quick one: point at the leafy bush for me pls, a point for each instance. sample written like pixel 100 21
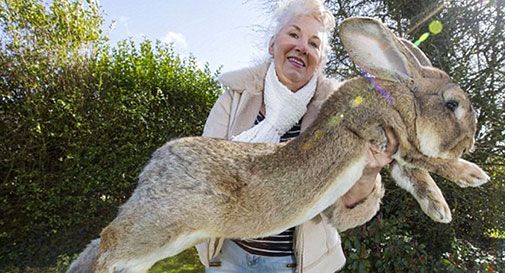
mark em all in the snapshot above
pixel 79 120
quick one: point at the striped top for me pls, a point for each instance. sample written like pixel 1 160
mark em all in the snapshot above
pixel 275 245
pixel 292 133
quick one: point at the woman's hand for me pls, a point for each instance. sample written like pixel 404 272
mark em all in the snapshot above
pixel 377 159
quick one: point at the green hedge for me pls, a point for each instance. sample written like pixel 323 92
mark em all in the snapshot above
pixel 74 141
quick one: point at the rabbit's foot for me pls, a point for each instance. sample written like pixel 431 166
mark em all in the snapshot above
pixel 433 203
pixel 377 136
pixel 469 174
pixel 424 189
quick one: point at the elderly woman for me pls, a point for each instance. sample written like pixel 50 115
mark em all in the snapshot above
pixel 274 102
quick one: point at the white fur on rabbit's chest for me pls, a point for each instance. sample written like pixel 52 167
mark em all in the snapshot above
pixel 339 186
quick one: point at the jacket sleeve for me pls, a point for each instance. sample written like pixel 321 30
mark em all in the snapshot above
pixel 217 123
pixel 344 218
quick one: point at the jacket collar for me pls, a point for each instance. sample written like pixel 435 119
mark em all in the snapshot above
pixel 250 78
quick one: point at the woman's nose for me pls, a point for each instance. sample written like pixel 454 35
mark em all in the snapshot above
pixel 301 47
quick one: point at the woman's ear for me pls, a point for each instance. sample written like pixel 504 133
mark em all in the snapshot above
pixel 271 46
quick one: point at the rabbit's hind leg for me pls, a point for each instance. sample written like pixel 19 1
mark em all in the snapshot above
pixel 139 258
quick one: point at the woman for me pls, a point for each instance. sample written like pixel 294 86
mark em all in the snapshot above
pixel 274 102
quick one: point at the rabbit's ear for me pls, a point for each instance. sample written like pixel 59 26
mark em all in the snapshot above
pixel 374 48
pixel 418 53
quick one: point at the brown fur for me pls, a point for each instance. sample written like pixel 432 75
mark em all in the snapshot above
pixel 198 188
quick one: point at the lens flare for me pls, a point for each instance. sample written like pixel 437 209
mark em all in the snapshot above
pixel 435 27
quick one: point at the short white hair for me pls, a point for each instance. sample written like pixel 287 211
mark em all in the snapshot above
pixel 287 10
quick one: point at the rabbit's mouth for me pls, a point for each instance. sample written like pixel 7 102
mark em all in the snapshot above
pixel 463 145
pixel 468 145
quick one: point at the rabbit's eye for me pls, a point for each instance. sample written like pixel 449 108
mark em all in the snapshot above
pixel 451 105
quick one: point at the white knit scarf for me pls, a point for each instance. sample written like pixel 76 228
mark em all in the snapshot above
pixel 284 109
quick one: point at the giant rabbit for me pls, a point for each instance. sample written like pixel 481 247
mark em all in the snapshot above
pixel 196 188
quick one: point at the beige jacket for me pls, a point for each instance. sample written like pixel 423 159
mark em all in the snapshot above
pixel 317 243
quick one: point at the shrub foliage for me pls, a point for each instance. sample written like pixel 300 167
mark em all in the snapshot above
pixel 79 120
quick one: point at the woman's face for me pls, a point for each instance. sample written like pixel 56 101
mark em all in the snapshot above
pixel 296 50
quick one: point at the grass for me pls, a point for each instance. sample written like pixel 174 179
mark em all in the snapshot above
pixel 185 262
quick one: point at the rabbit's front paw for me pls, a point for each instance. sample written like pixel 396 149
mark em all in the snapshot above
pixel 377 136
pixel 435 206
pixel 470 175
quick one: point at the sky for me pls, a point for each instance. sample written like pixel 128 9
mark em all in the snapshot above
pixel 222 33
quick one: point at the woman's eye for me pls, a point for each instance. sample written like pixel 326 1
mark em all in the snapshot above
pixel 451 105
pixel 314 44
pixel 294 35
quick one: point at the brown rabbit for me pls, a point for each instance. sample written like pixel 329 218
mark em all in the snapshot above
pixel 197 188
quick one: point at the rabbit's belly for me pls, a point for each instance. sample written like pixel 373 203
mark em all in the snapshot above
pixel 338 187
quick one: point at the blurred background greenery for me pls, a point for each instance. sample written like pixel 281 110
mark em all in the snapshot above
pixel 79 119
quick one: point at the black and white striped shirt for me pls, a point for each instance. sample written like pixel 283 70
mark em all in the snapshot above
pixel 275 245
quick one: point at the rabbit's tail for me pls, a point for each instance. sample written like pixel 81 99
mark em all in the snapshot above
pixel 87 259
